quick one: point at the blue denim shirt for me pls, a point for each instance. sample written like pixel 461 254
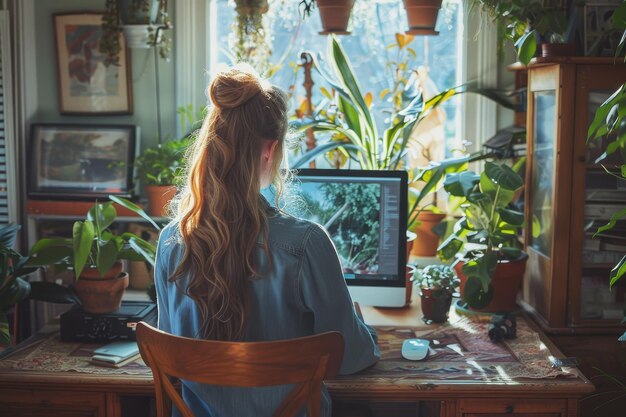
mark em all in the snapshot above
pixel 302 292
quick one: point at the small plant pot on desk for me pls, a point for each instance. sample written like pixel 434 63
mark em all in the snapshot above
pixel 435 305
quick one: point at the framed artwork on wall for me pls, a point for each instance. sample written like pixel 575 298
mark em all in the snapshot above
pixel 88 84
pixel 81 161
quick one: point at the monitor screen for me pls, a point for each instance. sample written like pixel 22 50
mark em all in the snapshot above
pixel 365 214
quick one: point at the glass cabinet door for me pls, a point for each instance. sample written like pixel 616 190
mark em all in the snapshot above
pixel 604 195
pixel 542 189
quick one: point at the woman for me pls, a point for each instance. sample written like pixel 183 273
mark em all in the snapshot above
pixel 230 267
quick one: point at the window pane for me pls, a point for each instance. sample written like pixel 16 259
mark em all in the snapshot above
pixel 373 26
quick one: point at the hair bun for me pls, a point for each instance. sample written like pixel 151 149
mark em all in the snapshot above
pixel 234 87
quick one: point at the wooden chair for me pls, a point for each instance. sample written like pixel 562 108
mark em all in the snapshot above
pixel 305 362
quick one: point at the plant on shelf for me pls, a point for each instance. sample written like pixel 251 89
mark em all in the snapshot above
pixel 143 23
pixel 13 288
pixel 94 253
pixel 159 168
pixel 522 21
pixel 491 264
pixel 437 284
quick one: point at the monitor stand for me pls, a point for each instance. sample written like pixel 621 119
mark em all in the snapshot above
pixel 378 296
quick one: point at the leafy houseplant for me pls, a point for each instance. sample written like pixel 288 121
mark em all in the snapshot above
pixel 334 14
pixel 522 21
pixel 94 253
pixel 13 288
pixel 437 283
pixel 492 265
pixel 143 22
pixel 160 167
pixel 348 117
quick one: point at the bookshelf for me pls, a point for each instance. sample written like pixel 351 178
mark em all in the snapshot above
pixel 568 196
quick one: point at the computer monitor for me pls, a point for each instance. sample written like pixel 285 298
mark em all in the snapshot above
pixel 365 213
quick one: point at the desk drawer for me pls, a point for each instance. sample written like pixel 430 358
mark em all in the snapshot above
pixel 44 403
pixel 495 407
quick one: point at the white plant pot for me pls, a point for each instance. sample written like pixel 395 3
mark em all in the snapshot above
pixel 138 36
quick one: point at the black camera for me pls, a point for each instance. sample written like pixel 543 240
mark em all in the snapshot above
pixel 502 327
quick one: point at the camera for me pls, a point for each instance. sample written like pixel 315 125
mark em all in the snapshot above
pixel 502 327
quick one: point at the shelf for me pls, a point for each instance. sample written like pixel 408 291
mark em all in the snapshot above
pixel 70 208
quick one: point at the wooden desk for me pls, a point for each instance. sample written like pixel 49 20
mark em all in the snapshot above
pixel 37 393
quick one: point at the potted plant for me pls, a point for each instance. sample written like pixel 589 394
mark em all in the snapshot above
pixel 143 23
pixel 422 16
pixel 334 14
pixel 491 264
pixel 158 168
pixel 13 288
pixel 437 284
pixel 94 253
pixel 524 21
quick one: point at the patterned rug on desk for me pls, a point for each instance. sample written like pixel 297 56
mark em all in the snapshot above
pixel 463 351
pixel 53 355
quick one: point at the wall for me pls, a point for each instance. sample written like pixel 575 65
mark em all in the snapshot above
pixel 143 78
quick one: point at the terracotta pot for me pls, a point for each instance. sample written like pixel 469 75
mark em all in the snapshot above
pixel 159 197
pixel 422 16
pixel 435 305
pixel 557 49
pixel 100 295
pixel 335 15
pixel 506 282
pixel 427 241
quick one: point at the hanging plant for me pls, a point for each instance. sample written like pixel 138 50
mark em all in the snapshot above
pixel 127 14
pixel 251 44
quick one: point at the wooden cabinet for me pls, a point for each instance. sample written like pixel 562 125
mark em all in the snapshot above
pixel 568 196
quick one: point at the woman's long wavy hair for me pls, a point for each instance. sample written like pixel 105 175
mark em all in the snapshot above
pixel 220 211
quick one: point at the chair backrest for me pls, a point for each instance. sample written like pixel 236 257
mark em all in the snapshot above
pixel 304 362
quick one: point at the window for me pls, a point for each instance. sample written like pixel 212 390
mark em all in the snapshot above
pixel 374 26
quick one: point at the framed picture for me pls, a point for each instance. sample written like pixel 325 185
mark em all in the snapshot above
pixel 601 39
pixel 81 161
pixel 87 85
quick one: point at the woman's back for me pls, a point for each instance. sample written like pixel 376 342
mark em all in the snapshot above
pixel 257 275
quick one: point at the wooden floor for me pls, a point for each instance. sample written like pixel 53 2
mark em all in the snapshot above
pixel 597 355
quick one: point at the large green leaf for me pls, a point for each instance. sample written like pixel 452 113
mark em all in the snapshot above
pixel 344 71
pixel 512 217
pixel 461 184
pixel 450 247
pixel 526 47
pixel 504 176
pixel 482 268
pixel 321 150
pixel 133 207
pixel 107 255
pixel 618 271
pixel 53 293
pixel 83 237
pixel 146 249
pixel 102 215
pixel 614 218
pixel 474 294
pixel 14 293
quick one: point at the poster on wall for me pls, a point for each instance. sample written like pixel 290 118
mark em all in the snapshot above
pixel 88 83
